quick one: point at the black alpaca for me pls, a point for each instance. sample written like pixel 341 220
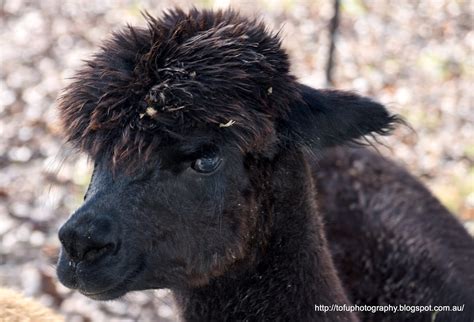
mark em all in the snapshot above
pixel 202 182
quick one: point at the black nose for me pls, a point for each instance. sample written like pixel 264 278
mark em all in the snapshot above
pixel 86 237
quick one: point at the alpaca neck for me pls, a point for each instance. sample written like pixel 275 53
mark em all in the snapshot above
pixel 291 275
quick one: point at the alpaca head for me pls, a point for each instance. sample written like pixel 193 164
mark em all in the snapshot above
pixel 181 120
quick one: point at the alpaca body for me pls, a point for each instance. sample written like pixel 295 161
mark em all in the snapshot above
pixel 392 241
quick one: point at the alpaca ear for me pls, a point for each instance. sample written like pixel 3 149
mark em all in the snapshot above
pixel 325 118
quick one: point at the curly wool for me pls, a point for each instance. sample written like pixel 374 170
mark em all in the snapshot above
pixel 217 72
pixel 14 307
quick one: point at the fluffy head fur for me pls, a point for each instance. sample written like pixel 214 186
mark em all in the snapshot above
pixel 146 87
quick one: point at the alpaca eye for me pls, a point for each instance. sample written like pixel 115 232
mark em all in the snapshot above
pixel 206 164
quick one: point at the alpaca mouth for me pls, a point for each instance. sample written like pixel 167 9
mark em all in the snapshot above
pixel 119 289
pixel 110 294
pixel 101 280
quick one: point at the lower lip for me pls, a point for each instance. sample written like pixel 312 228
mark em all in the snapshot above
pixel 92 293
pixel 100 296
pixel 118 288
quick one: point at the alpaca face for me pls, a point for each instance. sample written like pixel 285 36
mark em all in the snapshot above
pixel 183 120
pixel 186 216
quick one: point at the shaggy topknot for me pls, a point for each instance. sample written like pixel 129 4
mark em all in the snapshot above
pixel 147 87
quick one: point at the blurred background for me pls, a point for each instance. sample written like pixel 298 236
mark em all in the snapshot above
pixel 414 56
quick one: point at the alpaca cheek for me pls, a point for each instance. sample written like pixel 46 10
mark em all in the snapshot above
pixel 230 248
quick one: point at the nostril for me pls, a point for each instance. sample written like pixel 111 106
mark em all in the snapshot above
pixel 89 237
pixel 96 253
pixel 81 246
